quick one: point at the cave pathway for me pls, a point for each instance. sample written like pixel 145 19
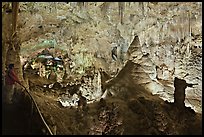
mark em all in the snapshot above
pixel 17 120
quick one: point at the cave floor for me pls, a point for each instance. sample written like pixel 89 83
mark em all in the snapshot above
pixel 14 120
pixel 130 117
pixel 16 117
pixel 133 112
pixel 150 117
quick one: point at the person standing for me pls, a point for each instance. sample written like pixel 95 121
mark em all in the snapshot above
pixel 10 80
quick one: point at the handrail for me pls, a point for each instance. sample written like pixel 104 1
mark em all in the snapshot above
pixel 38 110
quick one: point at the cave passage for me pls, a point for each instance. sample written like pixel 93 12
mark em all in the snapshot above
pixel 130 68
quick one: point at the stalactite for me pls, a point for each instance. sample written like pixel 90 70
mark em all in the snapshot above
pixel 189 16
pixel 141 4
pixel 85 4
pixel 15 13
pixel 15 6
pixel 129 4
pixel 189 45
pixel 6 7
pixel 80 4
pixel 121 6
pixel 183 32
pixel 104 8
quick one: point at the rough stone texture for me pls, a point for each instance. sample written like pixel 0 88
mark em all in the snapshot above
pixel 169 39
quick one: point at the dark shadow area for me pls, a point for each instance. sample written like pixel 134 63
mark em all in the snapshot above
pixel 18 117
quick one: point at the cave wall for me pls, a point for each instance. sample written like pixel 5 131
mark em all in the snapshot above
pixel 169 42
